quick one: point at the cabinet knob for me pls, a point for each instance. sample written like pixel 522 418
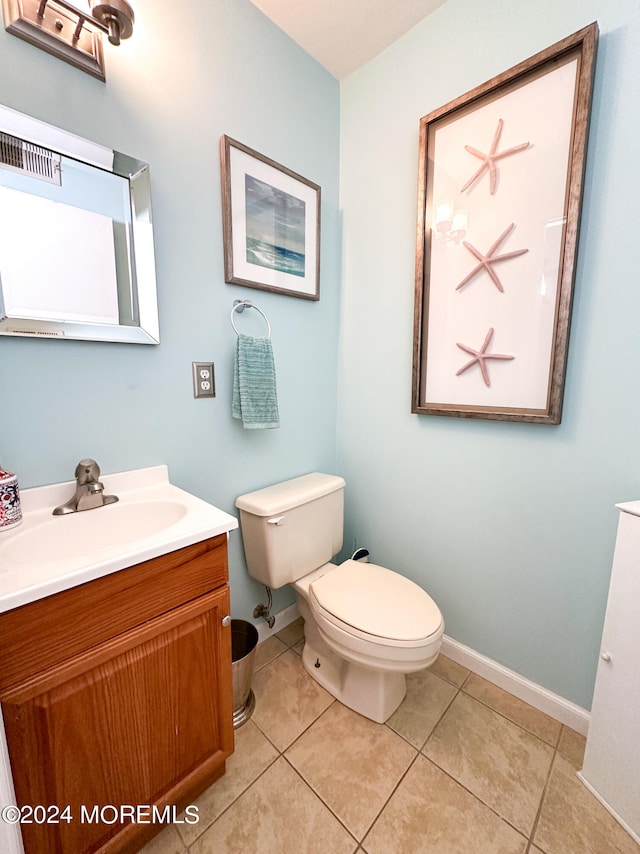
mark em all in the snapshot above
pixel 226 621
pixel 605 656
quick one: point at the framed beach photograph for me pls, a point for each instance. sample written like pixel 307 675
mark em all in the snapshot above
pixel 271 224
pixel 500 187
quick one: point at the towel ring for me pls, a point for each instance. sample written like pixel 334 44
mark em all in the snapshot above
pixel 239 305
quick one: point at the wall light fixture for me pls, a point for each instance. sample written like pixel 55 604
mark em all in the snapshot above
pixel 68 32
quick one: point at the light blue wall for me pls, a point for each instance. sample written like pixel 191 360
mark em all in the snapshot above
pixel 183 80
pixel 511 527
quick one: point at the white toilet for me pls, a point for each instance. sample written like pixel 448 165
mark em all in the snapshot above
pixel 365 626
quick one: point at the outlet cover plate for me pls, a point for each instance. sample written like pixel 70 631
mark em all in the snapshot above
pixel 203 379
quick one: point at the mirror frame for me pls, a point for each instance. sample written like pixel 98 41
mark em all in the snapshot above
pixel 143 290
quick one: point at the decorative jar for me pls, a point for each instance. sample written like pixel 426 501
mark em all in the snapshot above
pixel 10 510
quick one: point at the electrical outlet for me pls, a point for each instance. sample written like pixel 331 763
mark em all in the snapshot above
pixel 203 381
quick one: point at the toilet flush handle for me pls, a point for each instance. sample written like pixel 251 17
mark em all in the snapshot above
pixel 277 520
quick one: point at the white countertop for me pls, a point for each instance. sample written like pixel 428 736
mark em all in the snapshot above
pixel 46 554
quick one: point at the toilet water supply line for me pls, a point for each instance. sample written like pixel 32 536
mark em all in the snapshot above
pixel 264 611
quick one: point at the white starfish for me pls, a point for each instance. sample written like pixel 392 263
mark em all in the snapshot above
pixel 489 160
pixel 486 261
pixel 480 356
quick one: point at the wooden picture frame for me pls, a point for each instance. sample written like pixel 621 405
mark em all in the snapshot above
pixel 500 187
pixel 271 224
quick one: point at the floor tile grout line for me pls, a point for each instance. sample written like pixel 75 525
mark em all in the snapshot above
pixel 302 732
pixel 439 721
pixel 563 727
pixel 277 655
pixel 263 733
pixel 457 686
pixel 476 797
pixel 542 799
pixel 433 728
pixel 411 764
pixel 419 752
pixel 461 688
pixel 307 783
pixel 307 728
pixel 459 782
pixel 231 803
pixel 280 754
pixel 267 663
pixel 321 799
pixel 392 793
pixel 390 729
pixel 471 673
pixel 511 720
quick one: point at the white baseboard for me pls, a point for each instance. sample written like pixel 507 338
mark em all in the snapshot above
pixel 540 698
pixel 283 619
pixel 546 701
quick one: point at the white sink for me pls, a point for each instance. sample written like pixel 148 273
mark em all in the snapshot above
pixel 47 554
pixel 76 535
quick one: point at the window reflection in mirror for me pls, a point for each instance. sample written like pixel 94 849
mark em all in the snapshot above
pixel 76 240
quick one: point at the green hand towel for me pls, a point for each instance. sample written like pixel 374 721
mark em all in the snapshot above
pixel 254 399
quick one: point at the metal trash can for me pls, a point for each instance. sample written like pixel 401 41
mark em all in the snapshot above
pixel 244 639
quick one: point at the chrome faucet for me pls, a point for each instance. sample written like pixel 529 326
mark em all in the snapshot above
pixel 89 490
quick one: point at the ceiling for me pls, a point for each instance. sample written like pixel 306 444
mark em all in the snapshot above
pixel 343 35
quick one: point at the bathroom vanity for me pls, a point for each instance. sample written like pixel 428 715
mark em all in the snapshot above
pixel 612 757
pixel 115 683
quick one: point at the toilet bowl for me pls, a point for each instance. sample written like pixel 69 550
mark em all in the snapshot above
pixel 365 626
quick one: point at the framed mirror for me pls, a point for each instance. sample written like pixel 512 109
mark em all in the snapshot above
pixel 76 237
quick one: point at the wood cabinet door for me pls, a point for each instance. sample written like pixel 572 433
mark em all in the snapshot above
pixel 143 719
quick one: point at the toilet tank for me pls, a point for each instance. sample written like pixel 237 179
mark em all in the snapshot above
pixel 291 528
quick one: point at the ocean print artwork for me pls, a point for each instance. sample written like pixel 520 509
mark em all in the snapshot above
pixel 275 228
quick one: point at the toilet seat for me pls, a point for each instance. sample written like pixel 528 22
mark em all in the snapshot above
pixel 376 605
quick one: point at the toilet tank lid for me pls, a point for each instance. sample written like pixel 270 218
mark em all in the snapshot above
pixel 290 493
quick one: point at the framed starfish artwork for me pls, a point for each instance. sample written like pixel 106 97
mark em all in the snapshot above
pixel 501 173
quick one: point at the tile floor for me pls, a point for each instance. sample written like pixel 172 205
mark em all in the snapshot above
pixel 462 767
